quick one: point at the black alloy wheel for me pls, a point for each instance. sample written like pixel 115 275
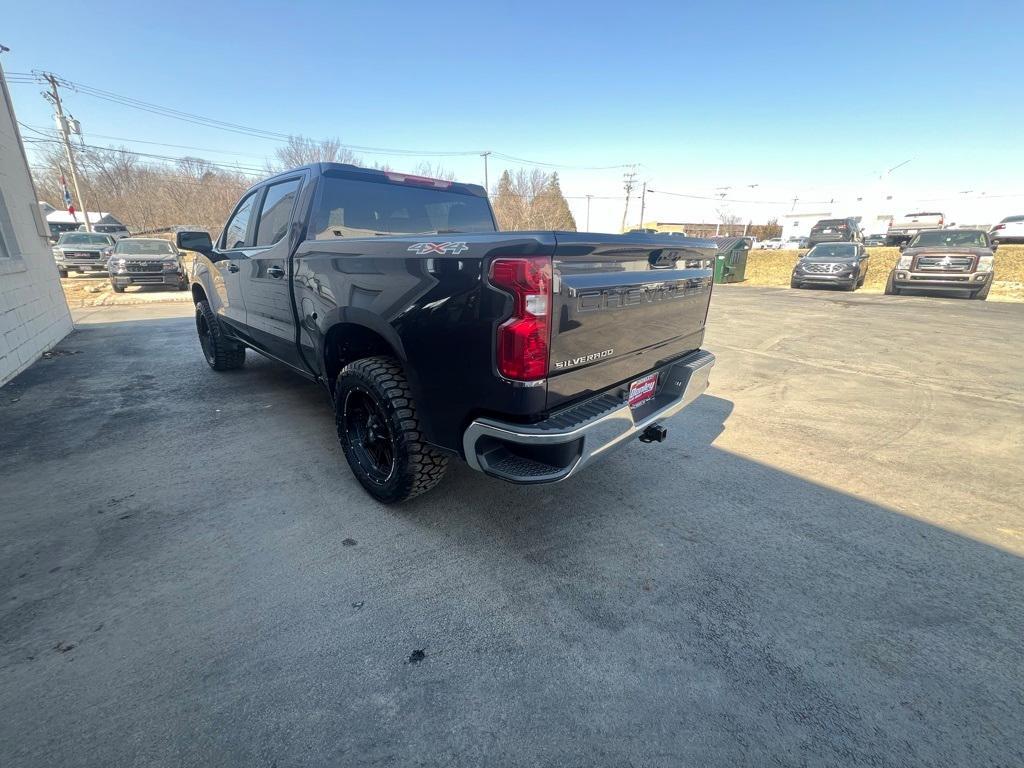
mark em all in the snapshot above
pixel 370 438
pixel 379 431
pixel 221 352
pixel 205 337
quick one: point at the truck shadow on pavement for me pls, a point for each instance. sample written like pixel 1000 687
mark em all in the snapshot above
pixel 195 544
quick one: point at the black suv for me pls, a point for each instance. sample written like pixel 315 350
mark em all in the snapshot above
pixel 836 231
pixel 837 264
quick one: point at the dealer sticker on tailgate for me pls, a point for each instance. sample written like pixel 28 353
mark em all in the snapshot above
pixel 642 390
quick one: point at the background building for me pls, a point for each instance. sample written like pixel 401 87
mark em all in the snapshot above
pixel 33 313
pixel 62 221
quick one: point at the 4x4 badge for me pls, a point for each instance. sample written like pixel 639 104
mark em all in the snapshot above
pixel 423 248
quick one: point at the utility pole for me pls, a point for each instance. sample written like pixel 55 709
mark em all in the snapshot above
pixel 629 179
pixel 62 125
pixel 643 204
pixel 587 228
pixel 487 181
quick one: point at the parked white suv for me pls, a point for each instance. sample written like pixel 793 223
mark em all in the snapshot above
pixel 1009 230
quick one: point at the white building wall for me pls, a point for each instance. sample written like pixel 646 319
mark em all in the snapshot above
pixel 33 312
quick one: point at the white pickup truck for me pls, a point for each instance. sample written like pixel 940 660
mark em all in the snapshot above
pixel 903 229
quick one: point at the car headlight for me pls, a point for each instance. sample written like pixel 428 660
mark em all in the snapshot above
pixel 986 263
pixel 904 262
pixel 170 264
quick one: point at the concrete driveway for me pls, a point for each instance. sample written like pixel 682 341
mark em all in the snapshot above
pixel 821 566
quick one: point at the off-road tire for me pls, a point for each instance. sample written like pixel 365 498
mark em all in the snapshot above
pixel 221 353
pixel 415 467
pixel 117 288
pixel 183 284
pixel 793 283
pixel 62 272
pixel 890 288
pixel 860 283
pixel 982 293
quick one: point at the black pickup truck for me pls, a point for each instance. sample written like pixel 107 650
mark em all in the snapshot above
pixel 527 354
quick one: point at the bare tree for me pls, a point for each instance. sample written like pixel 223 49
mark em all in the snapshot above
pixel 727 217
pixel 301 150
pixel 146 196
pixel 531 200
pixel 434 172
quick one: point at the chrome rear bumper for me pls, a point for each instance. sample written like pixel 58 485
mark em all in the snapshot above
pixel 570 439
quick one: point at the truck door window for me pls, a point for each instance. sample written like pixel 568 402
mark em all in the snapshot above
pixel 277 211
pixel 238 225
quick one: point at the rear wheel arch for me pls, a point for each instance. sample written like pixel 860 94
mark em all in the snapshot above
pixel 347 342
pixel 198 293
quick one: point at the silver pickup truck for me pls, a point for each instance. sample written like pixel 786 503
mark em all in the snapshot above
pixel 902 230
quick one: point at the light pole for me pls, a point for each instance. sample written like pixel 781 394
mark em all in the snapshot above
pixel 588 212
pixel 643 204
pixel 62 124
pixel 487 182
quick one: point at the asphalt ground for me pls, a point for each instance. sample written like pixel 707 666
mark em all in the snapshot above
pixel 820 566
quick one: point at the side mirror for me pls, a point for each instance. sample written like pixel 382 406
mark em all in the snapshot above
pixel 193 241
pixel 994 246
pixel 902 246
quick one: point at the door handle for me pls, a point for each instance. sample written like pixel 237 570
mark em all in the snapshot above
pixel 275 271
pixel 233 267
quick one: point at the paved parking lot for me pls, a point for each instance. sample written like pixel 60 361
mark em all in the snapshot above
pixel 821 566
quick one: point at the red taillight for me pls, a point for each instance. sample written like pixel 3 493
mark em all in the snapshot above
pixel 998 226
pixel 523 339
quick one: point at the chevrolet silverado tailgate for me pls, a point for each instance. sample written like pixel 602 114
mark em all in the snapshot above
pixel 622 306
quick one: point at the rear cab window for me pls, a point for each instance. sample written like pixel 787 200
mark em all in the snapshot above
pixel 348 207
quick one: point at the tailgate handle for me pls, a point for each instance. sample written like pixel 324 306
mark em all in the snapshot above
pixel 663 259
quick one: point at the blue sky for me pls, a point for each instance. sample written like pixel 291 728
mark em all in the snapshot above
pixel 802 96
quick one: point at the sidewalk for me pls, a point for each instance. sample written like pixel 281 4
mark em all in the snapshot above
pixel 96 292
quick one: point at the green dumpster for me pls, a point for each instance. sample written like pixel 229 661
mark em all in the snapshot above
pixel 731 259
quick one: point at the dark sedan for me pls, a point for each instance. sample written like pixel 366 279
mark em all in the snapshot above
pixel 839 264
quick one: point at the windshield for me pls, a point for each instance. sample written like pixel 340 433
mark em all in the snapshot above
pixel 945 238
pixel 144 247
pixel 84 238
pixel 350 208
pixel 833 225
pixel 1012 219
pixel 832 251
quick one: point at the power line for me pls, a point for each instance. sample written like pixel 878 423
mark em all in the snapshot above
pixel 242 169
pixel 512 158
pixel 262 133
pixel 46 132
pixel 720 198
